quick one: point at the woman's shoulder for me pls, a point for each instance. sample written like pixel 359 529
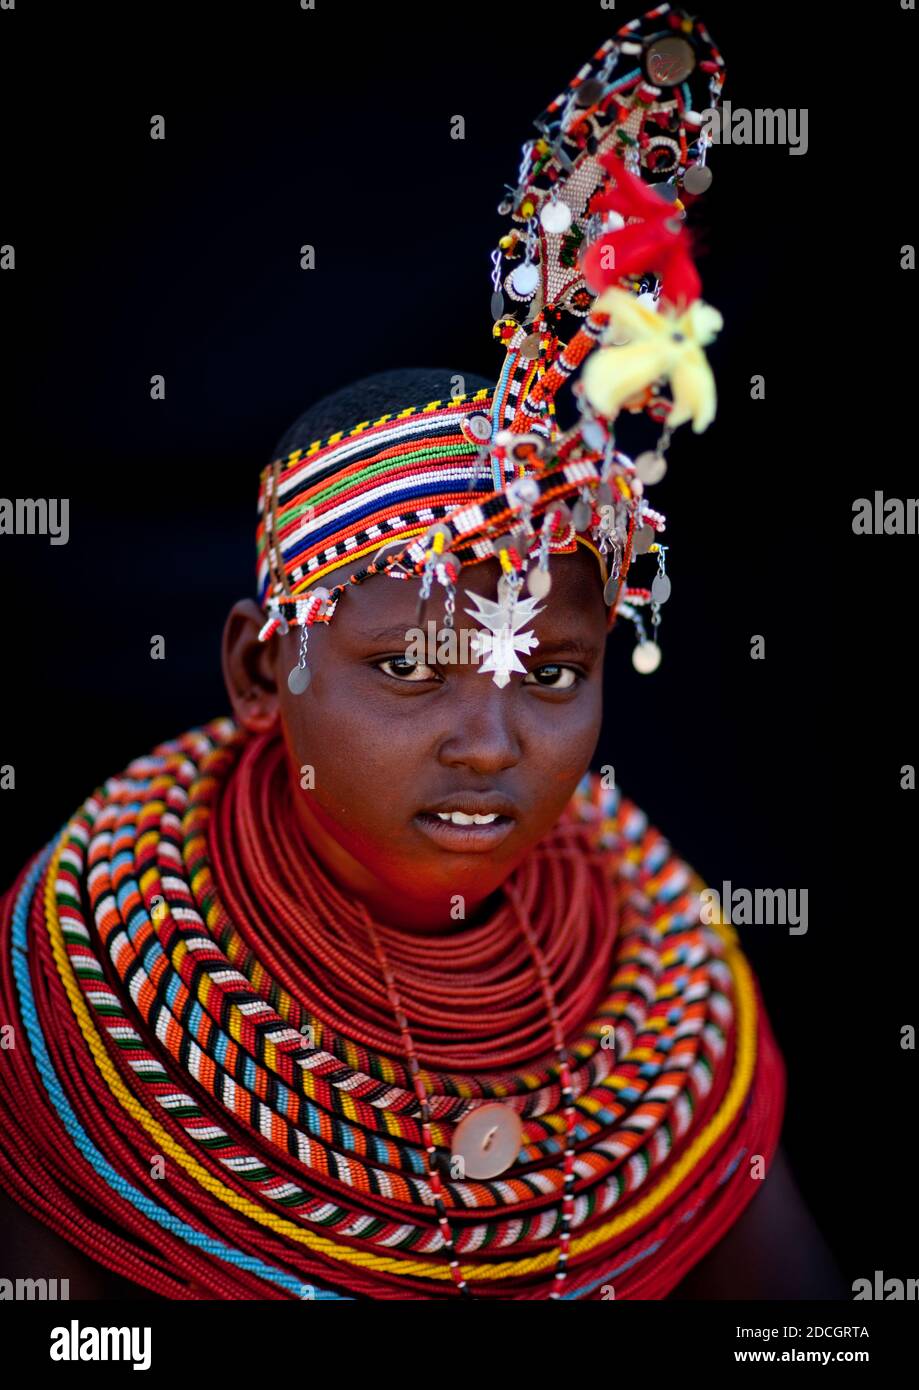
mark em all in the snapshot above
pixel 774 1250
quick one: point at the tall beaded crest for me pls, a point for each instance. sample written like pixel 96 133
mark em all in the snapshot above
pixel 594 275
pixel 597 242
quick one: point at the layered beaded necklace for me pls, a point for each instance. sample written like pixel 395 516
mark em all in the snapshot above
pixel 213 1092
pixel 493 1127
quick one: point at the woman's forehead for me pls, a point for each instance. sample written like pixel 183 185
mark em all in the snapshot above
pixel 383 602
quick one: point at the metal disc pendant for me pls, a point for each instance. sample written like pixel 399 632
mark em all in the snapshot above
pixel 477 427
pixel 650 467
pixel 589 92
pixel 646 657
pixel 660 589
pixel 604 495
pixel 610 590
pixel 525 279
pixel 669 59
pixel 594 435
pixel 539 582
pixel 299 679
pixel 697 179
pixel 643 540
pixel 488 1140
pixel 556 217
pixel 497 305
pixel 580 516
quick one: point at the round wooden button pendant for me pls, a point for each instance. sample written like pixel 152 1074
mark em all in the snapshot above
pixel 488 1140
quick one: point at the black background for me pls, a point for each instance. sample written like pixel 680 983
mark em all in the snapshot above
pixel 181 257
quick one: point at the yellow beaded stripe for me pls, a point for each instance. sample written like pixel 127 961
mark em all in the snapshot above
pixel 299 454
pixel 734 1098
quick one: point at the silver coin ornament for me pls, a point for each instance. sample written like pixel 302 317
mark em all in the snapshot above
pixel 645 537
pixel 555 217
pixel 697 179
pixel 497 305
pixel 477 427
pixel 669 59
pixel 539 582
pixel 580 516
pixel 650 466
pixel 610 590
pixel 589 92
pixel 523 492
pixel 660 589
pixel 525 279
pixel 594 435
pixel 646 657
pixel 299 679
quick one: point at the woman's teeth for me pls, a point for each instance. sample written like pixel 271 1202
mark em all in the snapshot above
pixel 460 818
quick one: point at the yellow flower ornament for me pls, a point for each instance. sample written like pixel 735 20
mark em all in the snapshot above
pixel 661 344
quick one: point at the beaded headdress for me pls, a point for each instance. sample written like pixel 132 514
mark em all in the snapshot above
pixel 594 273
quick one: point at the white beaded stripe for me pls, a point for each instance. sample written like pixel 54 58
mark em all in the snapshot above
pixel 393 432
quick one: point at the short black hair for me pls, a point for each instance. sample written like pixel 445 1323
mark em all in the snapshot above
pixel 373 396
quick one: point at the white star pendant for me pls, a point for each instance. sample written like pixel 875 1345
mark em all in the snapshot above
pixel 503 641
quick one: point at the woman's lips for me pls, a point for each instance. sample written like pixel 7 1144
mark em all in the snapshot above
pixel 464 839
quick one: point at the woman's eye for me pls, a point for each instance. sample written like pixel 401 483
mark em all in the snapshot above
pixel 552 677
pixel 404 668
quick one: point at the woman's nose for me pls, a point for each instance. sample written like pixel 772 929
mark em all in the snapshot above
pixel 483 733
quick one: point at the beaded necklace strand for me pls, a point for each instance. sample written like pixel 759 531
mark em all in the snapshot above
pixel 424 1104
pixel 152 1032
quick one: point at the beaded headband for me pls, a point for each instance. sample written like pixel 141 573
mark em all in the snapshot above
pixel 593 247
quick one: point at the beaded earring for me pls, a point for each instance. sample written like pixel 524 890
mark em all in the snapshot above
pixel 308 610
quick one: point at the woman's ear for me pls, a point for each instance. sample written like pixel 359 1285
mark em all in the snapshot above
pixel 248 668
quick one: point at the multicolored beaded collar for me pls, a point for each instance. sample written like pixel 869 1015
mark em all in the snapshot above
pixel 593 243
pixel 214 1106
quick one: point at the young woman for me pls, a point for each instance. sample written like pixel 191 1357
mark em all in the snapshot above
pixel 377 992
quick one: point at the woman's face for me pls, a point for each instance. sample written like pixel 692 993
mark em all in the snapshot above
pixel 392 742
